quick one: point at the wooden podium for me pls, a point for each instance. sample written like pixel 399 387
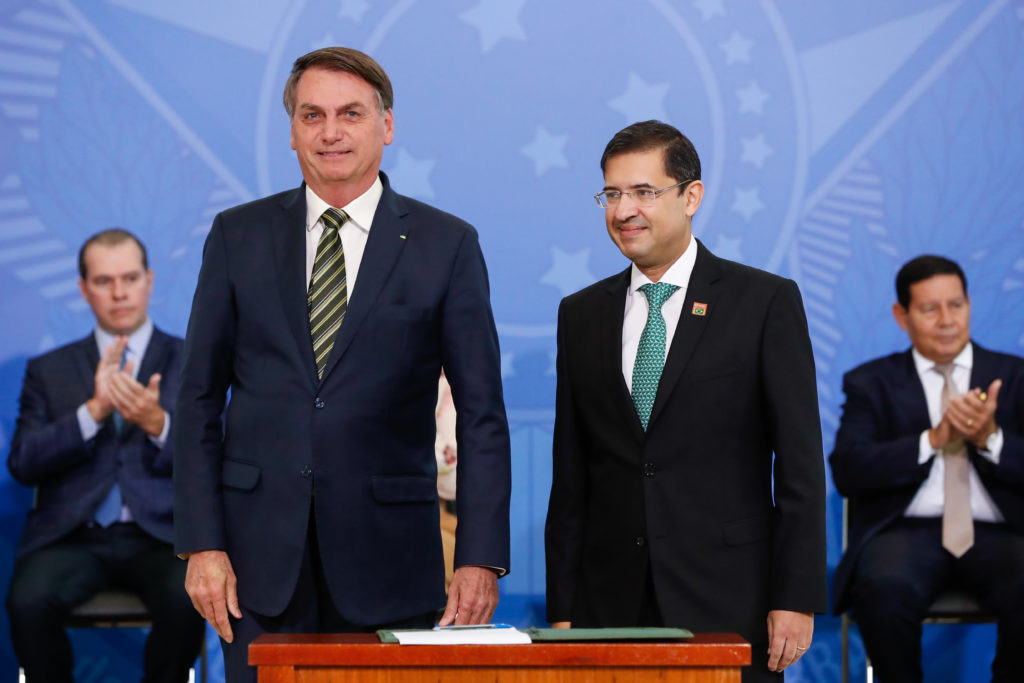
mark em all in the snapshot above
pixel 361 658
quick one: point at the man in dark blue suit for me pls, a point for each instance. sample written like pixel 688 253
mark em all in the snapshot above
pixel 930 453
pixel 328 311
pixel 92 438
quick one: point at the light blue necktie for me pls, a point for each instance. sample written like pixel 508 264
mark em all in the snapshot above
pixel 109 510
pixel 650 354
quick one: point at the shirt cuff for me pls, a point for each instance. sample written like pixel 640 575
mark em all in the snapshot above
pixel 86 424
pixel 924 450
pixel 995 447
pixel 161 440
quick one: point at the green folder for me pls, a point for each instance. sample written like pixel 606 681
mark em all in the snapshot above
pixel 606 634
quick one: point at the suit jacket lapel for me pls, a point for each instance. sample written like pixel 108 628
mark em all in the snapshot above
pixel 983 370
pixel 288 240
pixel 612 313
pixel 154 358
pixel 702 289
pixel 910 392
pixel 87 357
pixel 383 245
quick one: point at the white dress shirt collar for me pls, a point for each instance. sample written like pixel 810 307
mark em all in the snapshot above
pixel 964 359
pixel 138 342
pixel 360 210
pixel 678 273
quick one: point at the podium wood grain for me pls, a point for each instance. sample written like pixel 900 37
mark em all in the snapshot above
pixel 361 658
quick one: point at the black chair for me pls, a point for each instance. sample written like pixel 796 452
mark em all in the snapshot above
pixel 950 607
pixel 119 609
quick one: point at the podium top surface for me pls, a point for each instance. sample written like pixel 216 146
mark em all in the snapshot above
pixel 365 649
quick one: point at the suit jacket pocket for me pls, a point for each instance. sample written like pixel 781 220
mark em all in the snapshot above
pixel 743 531
pixel 240 475
pixel 404 489
pixel 403 312
pixel 715 373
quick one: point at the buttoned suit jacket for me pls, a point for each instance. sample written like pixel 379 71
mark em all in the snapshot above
pixel 73 476
pixel 357 447
pixel 875 459
pixel 691 499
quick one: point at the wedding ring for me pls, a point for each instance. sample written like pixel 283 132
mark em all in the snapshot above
pixel 800 648
pixel 970 422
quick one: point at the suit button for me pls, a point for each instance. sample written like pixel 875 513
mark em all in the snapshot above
pixel 318 402
pixel 640 541
pixel 649 469
pixel 306 472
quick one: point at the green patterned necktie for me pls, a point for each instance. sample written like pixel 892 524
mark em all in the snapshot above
pixel 650 354
pixel 328 293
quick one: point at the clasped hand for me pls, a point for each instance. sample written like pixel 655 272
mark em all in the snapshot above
pixel 117 390
pixel 970 417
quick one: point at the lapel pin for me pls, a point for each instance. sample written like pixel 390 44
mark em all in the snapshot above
pixel 402 236
pixel 699 308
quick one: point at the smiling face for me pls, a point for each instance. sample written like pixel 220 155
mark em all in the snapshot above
pixel 116 286
pixel 655 236
pixel 938 318
pixel 338 133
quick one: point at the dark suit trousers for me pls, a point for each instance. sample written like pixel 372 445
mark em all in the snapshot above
pixel 311 610
pixel 48 583
pixel 902 569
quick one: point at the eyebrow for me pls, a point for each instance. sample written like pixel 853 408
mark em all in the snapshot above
pixel 315 107
pixel 636 186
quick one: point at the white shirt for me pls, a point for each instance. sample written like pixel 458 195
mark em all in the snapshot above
pixel 928 500
pixel 635 318
pixel 354 232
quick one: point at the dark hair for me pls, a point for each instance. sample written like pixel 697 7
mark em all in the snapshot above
pixel 109 238
pixel 681 160
pixel 922 268
pixel 341 59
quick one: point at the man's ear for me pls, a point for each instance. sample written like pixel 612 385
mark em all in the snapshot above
pixel 900 314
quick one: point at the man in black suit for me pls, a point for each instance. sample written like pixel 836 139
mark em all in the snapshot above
pixel 313 506
pixel 92 438
pixel 935 483
pixel 662 508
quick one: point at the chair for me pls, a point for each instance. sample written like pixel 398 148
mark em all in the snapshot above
pixel 950 607
pixel 120 609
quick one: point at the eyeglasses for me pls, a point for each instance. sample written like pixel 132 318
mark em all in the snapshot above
pixel 643 196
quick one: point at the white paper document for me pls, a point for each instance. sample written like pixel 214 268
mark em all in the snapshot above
pixel 485 635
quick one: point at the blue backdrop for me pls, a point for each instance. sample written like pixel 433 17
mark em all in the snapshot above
pixel 839 139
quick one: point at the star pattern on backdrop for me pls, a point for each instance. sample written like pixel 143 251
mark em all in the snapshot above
pixel 641 100
pixel 710 8
pixel 496 19
pixel 546 151
pixel 737 49
pixel 728 248
pixel 747 202
pixel 353 9
pixel 569 271
pixel 752 98
pixel 755 150
pixel 412 176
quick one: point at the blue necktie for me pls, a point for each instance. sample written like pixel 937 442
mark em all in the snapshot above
pixel 650 353
pixel 109 510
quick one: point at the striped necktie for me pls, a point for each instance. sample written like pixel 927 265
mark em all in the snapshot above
pixel 327 298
